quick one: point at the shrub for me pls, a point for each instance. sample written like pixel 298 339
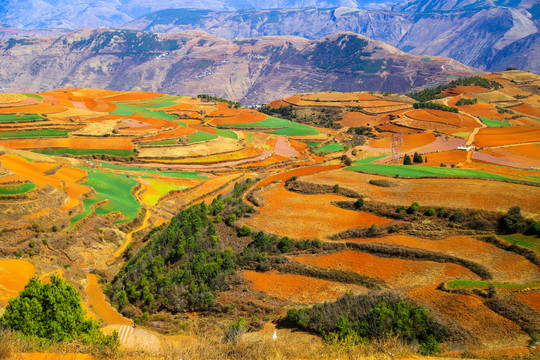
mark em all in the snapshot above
pixel 429 212
pixel 374 229
pixel 236 329
pixel 464 101
pixel 244 231
pixel 285 244
pixel 336 188
pixel 393 229
pixel 359 203
pixel 231 219
pixel 31 244
pixel 413 209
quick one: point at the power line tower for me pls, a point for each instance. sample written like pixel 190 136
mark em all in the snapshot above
pixel 397 140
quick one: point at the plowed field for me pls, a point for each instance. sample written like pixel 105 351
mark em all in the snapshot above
pixel 505 266
pixel 395 272
pixel 463 193
pixel 14 275
pixel 531 298
pixel 298 288
pixel 507 135
pixel 301 216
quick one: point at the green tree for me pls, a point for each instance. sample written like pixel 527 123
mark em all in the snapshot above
pixel 407 160
pixel 413 209
pixel 417 158
pixel 52 311
pixel 359 203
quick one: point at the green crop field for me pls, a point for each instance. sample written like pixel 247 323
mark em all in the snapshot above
pixel 268 123
pixel 128 110
pixel 115 188
pixel 87 209
pixel 35 96
pixel 15 118
pixel 160 188
pixel 200 136
pixel 16 189
pixel 227 133
pixel 530 242
pixel 296 129
pixel 370 159
pixel 328 148
pixel 469 284
pixel 311 143
pixel 463 135
pixel 33 133
pixel 174 174
pixel 410 171
pixel 494 123
pixel 80 152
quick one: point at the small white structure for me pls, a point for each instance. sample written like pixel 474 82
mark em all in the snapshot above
pixel 275 335
pixel 467 147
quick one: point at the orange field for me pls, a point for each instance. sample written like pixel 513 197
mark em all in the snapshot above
pixel 298 288
pixel 468 311
pixel 284 176
pixel 338 96
pixel 14 275
pixel 224 110
pixel 460 89
pixel 532 150
pixel 356 119
pixel 243 117
pixel 132 96
pixel 96 299
pixel 386 109
pixel 465 193
pixel 446 157
pixel 504 265
pixel 171 134
pixel 527 110
pixel 410 141
pixel 497 136
pixel 530 298
pixel 33 109
pixel 276 104
pixel 120 143
pixel 395 272
pixel 444 117
pixel 301 216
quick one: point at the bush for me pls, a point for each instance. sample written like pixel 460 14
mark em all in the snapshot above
pixel 336 188
pixel 413 209
pixel 236 329
pixel 464 101
pixel 53 311
pixel 430 212
pixel 285 244
pixel 231 219
pixel 359 203
pixel 374 229
pixel 407 160
pixel 244 231
pixel 417 159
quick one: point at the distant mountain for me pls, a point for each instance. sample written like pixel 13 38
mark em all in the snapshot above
pixel 67 14
pixel 422 6
pixel 250 70
pixel 474 37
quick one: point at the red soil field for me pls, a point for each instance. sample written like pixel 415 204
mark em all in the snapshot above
pixel 33 109
pixel 532 150
pixel 395 272
pixel 524 121
pixel 120 143
pixel 301 216
pixel 468 311
pixel 244 117
pixel 456 90
pixel 386 109
pixel 99 105
pixel 154 124
pixel 283 148
pixel 446 157
pixel 527 110
pixel 171 134
pixel 445 117
pixel 410 141
pixel 481 109
pixel 284 176
pixel 356 119
pixel 465 193
pixel 502 157
pixel 96 299
pixel 224 110
pixel 497 136
pixel 505 266
pixel 14 275
pixel 276 104
pixel 531 298
pixel 298 288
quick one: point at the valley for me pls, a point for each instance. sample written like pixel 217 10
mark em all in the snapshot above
pixel 209 225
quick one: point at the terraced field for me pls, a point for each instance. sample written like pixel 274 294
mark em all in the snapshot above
pixel 313 202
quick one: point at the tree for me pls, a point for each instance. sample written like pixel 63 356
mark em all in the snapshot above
pixel 425 159
pixel 52 311
pixel 417 158
pixel 359 203
pixel 413 209
pixel 407 160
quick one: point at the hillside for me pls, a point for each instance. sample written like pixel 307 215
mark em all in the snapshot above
pixel 247 70
pixel 211 226
pixel 464 33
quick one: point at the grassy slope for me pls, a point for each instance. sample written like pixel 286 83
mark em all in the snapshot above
pixel 16 189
